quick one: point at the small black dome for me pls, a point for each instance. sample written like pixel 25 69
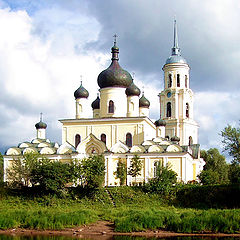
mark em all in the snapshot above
pixel 160 123
pixel 175 139
pixel 96 103
pixel 41 125
pixel 114 75
pixel 143 102
pixel 132 90
pixel 81 92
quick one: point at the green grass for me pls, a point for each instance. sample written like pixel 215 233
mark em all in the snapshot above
pixel 134 211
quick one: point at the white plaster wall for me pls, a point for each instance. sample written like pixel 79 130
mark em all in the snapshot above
pixel 133 106
pixel 118 96
pixel 81 105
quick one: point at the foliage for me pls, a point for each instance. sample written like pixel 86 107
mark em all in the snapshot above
pixel 215 170
pixel 135 211
pixel 176 220
pixel 121 172
pixel 163 181
pixel 231 142
pixel 1 169
pixel 51 176
pixel 135 167
pixel 208 196
pixel 234 173
pixel 93 171
pixel 20 173
pixel 76 171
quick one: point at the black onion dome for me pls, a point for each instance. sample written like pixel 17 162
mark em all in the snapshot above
pixel 133 90
pixel 114 75
pixel 175 139
pixel 41 125
pixel 96 103
pixel 81 92
pixel 143 102
pixel 160 123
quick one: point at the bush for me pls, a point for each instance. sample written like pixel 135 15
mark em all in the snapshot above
pixel 163 182
pixel 214 196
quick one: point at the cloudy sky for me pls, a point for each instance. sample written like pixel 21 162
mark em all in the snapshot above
pixel 46 45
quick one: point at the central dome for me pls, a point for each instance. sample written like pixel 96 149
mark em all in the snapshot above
pixel 114 75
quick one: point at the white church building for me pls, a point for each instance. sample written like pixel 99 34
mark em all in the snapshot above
pixel 120 127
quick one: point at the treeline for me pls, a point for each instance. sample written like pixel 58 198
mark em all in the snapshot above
pixel 33 170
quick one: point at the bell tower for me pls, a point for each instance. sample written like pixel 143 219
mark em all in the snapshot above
pixel 176 100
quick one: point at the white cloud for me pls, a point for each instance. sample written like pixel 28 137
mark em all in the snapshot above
pixel 41 74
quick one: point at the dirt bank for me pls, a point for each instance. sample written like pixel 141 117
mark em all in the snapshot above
pixel 103 230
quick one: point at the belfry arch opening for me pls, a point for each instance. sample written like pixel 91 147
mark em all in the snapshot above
pixel 190 140
pixel 170 80
pixel 178 80
pixel 77 140
pixel 169 109
pixel 186 81
pixel 111 107
pixel 187 110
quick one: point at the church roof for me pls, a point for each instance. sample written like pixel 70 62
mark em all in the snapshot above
pixel 133 90
pixel 81 92
pixel 176 51
pixel 143 102
pixel 114 75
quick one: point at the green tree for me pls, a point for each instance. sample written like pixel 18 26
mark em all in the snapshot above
pixel 51 176
pixel 231 142
pixel 76 171
pixel 163 181
pixel 93 171
pixel 121 172
pixel 216 169
pixel 20 172
pixel 234 173
pixel 135 167
pixel 1 169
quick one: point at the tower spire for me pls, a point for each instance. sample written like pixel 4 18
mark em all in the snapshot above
pixel 175 49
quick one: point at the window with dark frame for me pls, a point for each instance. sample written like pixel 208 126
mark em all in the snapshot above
pixel 187 110
pixel 103 138
pixel 77 140
pixel 178 80
pixel 129 139
pixel 169 109
pixel 111 107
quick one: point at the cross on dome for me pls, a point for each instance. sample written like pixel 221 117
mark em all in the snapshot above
pixel 115 38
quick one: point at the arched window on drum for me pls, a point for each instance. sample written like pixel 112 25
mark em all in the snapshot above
pixel 111 107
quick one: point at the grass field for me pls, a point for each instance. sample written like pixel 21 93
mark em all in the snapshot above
pixel 134 210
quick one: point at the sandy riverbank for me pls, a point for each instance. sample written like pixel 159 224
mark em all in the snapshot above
pixel 103 230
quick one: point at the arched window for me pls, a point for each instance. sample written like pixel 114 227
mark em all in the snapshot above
pixel 111 107
pixel 170 80
pixel 186 81
pixel 169 109
pixel 155 169
pixel 187 110
pixel 103 138
pixel 77 140
pixel 190 140
pixel 178 80
pixel 129 139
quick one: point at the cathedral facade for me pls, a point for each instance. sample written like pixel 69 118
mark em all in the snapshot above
pixel 120 127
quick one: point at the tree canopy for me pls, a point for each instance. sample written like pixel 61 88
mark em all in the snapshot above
pixel 231 142
pixel 216 168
